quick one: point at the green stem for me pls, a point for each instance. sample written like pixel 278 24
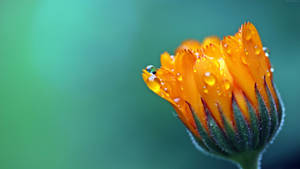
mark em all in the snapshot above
pixel 248 160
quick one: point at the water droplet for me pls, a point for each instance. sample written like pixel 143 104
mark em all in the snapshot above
pixel 172 57
pixel 272 69
pixel 257 50
pixel 166 89
pixel 268 74
pixel 209 79
pixel 154 84
pixel 227 85
pixel 229 51
pixel 151 69
pixel 244 59
pixel 225 45
pixel 179 78
pixel 176 99
pixel 246 52
pixel 267 51
pixel 205 91
pixel 195 70
pixel 152 77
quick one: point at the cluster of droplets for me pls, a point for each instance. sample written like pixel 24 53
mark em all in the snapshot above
pixel 210 80
pixel 267 54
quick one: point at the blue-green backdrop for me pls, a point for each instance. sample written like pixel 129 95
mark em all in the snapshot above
pixel 71 92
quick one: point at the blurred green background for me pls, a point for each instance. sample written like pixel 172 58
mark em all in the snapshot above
pixel 71 92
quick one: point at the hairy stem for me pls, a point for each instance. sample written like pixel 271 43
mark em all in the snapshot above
pixel 248 160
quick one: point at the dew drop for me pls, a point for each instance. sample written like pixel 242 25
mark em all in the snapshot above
pixel 195 70
pixel 205 91
pixel 225 45
pixel 172 57
pixel 246 52
pixel 151 69
pixel 272 69
pixel 154 84
pixel 257 50
pixel 209 79
pixel 229 51
pixel 176 99
pixel 227 85
pixel 151 78
pixel 267 51
pixel 244 59
pixel 179 78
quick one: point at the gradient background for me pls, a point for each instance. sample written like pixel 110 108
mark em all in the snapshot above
pixel 71 92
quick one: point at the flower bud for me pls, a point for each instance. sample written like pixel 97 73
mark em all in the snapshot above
pixel 223 92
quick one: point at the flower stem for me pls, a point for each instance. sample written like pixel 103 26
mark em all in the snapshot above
pixel 248 160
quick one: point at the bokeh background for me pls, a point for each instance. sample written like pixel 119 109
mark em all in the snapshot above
pixel 71 92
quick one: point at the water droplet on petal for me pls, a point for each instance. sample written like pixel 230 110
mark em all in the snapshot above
pixel 272 69
pixel 267 51
pixel 205 91
pixel 227 85
pixel 176 99
pixel 209 79
pixel 154 83
pixel 229 52
pixel 151 69
pixel 179 78
pixel 244 59
pixel 257 50
pixel 172 57
pixel 152 77
pixel 246 52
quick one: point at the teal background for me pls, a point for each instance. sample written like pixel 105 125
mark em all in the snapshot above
pixel 71 92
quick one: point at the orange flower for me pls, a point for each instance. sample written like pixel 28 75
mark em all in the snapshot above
pixel 207 80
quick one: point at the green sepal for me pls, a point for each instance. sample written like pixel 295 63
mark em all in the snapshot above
pixel 216 132
pixel 273 114
pixel 264 120
pixel 254 125
pixel 232 136
pixel 242 126
pixel 209 143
